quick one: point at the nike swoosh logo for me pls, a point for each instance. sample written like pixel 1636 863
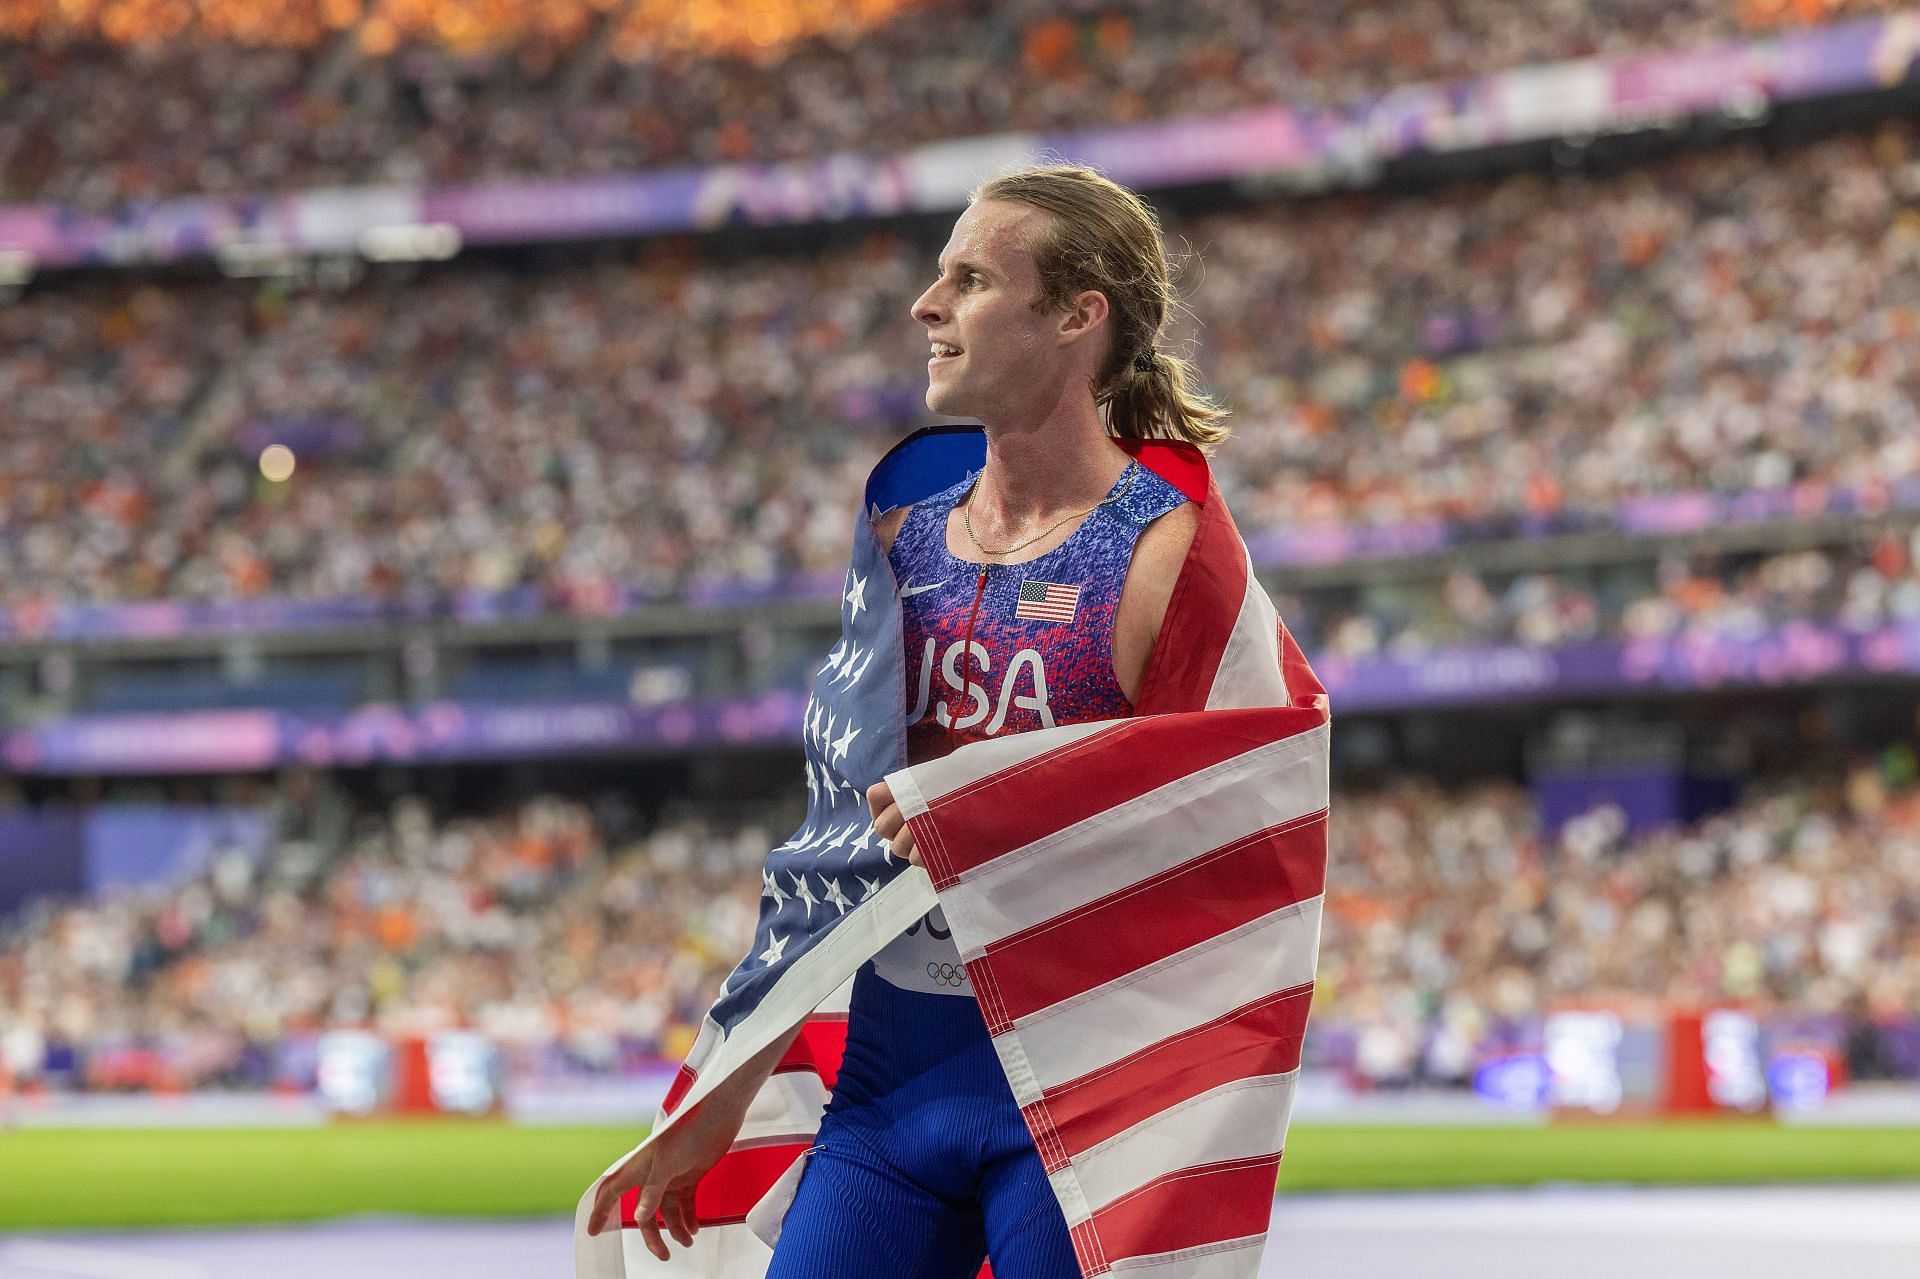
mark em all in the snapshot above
pixel 908 592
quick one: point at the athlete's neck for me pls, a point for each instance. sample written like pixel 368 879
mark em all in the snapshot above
pixel 1066 462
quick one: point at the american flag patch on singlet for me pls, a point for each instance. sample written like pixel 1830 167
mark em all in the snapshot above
pixel 1047 602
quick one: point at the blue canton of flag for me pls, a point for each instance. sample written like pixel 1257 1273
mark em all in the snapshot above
pixel 853 738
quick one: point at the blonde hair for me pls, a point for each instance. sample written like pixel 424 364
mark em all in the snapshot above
pixel 1104 237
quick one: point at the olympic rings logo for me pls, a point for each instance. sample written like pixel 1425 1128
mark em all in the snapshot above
pixel 947 974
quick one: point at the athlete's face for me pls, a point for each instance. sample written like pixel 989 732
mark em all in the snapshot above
pixel 994 357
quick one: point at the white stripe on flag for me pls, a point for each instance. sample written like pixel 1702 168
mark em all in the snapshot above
pixel 787 1107
pixel 1233 1259
pixel 1239 1120
pixel 1088 1032
pixel 1254 791
pixel 983 759
pixel 1249 673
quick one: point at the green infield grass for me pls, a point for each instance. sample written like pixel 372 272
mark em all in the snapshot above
pixel 87 1178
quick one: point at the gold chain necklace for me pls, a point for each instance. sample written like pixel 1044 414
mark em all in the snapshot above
pixel 966 516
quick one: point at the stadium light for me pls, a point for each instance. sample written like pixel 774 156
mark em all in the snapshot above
pixel 421 242
pixel 16 267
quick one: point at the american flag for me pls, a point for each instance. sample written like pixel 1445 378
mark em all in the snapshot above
pixel 1047 602
pixel 1137 902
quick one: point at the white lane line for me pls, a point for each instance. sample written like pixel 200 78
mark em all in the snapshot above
pixel 87 1261
pixel 1851 1215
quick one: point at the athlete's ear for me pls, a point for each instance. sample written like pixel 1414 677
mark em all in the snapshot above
pixel 1085 314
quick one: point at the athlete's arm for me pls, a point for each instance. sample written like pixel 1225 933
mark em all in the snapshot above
pixel 668 1170
pixel 1157 557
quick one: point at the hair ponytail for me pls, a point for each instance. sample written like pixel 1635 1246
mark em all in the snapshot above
pixel 1104 237
pixel 1153 397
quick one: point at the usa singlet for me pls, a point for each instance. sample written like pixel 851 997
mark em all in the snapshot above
pixel 923 1165
pixel 1040 654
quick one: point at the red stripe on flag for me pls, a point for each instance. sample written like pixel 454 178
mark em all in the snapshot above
pixel 1020 804
pixel 1259 1038
pixel 1155 918
pixel 1201 612
pixel 739 1181
pixel 1191 1208
pixel 819 1047
pixel 681 1086
pixel 1086 1249
pixel 1177 462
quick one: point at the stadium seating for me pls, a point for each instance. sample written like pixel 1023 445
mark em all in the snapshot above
pixel 1491 356
pixel 579 940
pixel 263 97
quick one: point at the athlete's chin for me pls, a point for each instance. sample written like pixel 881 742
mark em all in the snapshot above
pixel 949 401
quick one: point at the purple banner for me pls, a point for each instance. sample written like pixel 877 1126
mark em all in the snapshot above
pixel 515 213
pixel 255 740
pixel 1801 653
pixel 1334 543
pixel 440 732
pixel 1582 97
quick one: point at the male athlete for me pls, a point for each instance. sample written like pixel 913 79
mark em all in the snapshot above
pixel 1052 294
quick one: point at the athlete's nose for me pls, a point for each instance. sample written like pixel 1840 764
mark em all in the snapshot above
pixel 927 307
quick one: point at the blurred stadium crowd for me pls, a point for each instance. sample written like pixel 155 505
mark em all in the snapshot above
pixel 222 97
pixel 556 927
pixel 1740 597
pixel 1453 920
pixel 1492 355
pixel 582 942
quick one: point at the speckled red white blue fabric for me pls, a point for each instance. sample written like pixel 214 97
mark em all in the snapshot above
pixel 1023 673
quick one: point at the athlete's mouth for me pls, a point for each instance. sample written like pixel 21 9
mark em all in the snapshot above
pixel 943 351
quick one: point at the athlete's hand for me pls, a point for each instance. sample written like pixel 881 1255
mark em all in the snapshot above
pixel 666 1171
pixel 888 821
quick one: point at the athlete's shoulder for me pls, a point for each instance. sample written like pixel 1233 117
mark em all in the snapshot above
pixel 1158 556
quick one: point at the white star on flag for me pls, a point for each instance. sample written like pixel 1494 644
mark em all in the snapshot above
pixel 834 658
pixel 853 676
pixel 856 594
pixel 803 891
pixel 813 783
pixel 772 889
pixel 867 886
pixel 846 740
pixel 776 946
pixel 847 673
pixel 835 898
pixel 822 742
